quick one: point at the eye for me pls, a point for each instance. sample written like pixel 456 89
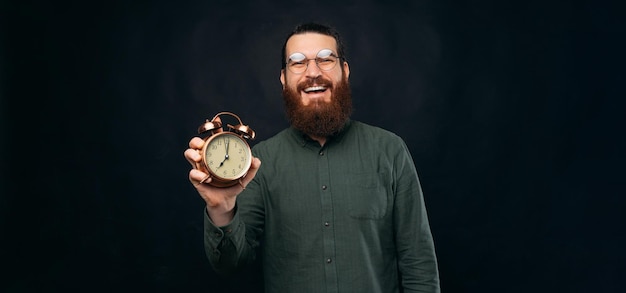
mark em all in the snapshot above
pixel 325 61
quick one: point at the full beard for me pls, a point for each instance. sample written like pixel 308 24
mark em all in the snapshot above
pixel 319 118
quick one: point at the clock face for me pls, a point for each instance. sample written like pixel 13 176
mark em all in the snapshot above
pixel 227 156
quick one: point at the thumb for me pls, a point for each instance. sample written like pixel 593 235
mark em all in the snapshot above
pixel 254 167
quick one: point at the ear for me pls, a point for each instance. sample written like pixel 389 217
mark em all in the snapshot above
pixel 282 77
pixel 346 69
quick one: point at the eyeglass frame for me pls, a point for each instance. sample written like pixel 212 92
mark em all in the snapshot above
pixel 308 60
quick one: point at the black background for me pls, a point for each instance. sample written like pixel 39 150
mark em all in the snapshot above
pixel 514 114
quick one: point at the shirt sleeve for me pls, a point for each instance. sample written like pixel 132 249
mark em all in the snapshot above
pixel 232 247
pixel 415 247
pixel 224 246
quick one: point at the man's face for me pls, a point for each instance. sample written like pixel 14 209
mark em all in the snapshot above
pixel 318 102
pixel 310 44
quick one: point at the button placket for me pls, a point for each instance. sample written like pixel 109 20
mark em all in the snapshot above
pixel 327 217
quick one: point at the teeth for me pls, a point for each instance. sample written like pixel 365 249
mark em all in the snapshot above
pixel 314 88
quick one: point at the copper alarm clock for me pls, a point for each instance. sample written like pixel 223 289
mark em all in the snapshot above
pixel 226 154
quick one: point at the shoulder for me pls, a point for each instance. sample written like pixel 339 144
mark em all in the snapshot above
pixel 274 142
pixel 361 129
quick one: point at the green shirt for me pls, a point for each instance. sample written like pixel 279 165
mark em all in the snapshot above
pixel 345 217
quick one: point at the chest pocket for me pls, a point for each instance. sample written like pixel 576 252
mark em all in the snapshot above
pixel 369 195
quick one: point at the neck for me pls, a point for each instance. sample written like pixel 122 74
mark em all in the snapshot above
pixel 320 139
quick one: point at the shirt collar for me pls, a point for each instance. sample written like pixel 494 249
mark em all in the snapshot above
pixel 303 139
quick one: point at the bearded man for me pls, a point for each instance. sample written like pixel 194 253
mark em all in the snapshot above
pixel 337 205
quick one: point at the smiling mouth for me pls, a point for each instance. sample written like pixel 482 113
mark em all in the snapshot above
pixel 314 89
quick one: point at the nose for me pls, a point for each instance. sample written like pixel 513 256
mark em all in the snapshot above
pixel 312 70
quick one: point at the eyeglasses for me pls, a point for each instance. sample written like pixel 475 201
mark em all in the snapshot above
pixel 325 59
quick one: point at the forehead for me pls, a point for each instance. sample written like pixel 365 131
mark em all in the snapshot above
pixel 309 44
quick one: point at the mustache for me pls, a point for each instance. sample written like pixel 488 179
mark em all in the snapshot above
pixel 317 81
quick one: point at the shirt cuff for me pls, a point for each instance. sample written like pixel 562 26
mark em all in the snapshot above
pixel 215 235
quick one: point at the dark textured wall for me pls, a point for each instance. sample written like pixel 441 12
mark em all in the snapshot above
pixel 513 113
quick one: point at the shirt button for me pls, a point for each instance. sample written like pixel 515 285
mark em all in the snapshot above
pixel 328 260
pixel 324 187
pixel 321 153
pixel 326 224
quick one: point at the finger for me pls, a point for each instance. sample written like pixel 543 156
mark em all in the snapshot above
pixel 256 163
pixel 196 143
pixel 254 167
pixel 192 157
pixel 198 177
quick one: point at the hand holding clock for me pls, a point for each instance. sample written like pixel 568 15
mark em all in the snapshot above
pixel 220 201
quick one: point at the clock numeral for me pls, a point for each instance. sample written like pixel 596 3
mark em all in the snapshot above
pixel 208 154
pixel 213 147
pixel 211 163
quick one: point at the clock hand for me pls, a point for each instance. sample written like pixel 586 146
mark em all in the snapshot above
pixel 226 156
pixel 227 143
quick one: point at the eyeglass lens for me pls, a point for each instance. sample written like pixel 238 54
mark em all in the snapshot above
pixel 325 60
